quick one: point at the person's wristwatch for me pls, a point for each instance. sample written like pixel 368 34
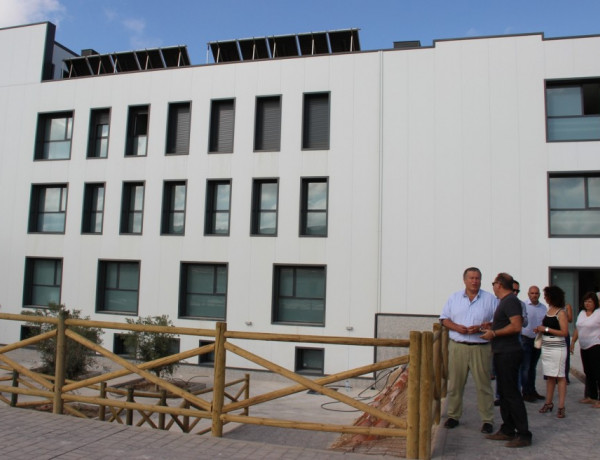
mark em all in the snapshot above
pixel 546 328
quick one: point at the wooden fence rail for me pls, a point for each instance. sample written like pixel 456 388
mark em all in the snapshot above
pixel 427 359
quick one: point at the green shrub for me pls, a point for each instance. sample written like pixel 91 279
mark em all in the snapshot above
pixel 78 358
pixel 149 346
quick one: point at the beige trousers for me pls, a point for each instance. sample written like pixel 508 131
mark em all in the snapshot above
pixel 477 359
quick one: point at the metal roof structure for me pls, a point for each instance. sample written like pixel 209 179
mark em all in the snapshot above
pixel 92 63
pixel 306 44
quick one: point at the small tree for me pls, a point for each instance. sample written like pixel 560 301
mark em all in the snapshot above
pixel 149 346
pixel 78 358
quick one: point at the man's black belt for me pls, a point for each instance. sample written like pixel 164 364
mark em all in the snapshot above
pixel 472 343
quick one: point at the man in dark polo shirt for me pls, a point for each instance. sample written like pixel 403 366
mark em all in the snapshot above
pixel 508 355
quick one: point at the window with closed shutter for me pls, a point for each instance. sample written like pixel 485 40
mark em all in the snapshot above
pixel 315 129
pixel 267 130
pixel 178 129
pixel 221 126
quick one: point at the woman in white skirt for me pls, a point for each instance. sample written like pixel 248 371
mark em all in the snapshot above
pixel 555 327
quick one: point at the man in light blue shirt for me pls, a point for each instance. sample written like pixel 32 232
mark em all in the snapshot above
pixel 536 311
pixel 465 314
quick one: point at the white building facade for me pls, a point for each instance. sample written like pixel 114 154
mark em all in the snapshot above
pixel 305 195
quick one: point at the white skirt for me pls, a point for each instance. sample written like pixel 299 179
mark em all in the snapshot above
pixel 554 356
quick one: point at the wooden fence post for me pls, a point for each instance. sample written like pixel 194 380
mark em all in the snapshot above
pixel 246 392
pixel 161 415
pixel 60 365
pixel 219 380
pixel 445 340
pixel 129 412
pixel 14 398
pixel 102 407
pixel 425 399
pixel 437 371
pixel 414 375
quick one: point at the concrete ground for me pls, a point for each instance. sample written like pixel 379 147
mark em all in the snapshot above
pixel 26 434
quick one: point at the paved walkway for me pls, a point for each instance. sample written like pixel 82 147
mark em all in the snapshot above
pixel 575 437
pixel 27 434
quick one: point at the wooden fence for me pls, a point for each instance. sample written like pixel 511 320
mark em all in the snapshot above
pixel 427 358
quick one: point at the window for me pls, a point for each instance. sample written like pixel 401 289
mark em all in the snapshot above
pixel 93 208
pixel 267 130
pixel 299 295
pixel 313 207
pixel 137 131
pixel 29 331
pixel 203 291
pixel 178 129
pixel 48 208
pixel 43 279
pixel 122 347
pixel 315 122
pixel 118 286
pixel 98 135
pixel 173 214
pixel 264 207
pixel 207 359
pixel 54 134
pixel 573 110
pixel 222 115
pixel 574 205
pixel 132 207
pixel 218 193
pixel 310 361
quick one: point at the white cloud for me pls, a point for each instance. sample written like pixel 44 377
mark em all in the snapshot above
pixel 18 12
pixel 137 26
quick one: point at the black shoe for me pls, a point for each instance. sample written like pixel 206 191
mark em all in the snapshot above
pixel 487 428
pixel 500 436
pixel 530 398
pixel 451 423
pixel 519 442
pixel 497 402
pixel 539 396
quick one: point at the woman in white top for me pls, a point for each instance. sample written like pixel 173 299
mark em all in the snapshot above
pixel 587 330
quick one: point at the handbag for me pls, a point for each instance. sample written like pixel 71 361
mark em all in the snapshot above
pixel 537 342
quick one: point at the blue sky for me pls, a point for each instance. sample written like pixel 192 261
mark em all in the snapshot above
pixel 120 25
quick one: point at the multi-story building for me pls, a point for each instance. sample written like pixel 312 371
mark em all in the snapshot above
pixel 298 184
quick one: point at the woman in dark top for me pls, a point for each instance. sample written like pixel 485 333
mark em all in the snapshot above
pixel 555 328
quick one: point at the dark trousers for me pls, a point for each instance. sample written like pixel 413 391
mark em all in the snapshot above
pixel 512 407
pixel 531 356
pixel 590 359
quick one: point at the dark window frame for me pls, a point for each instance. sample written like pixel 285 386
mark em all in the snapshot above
pixel 90 213
pixel 211 208
pixel 35 204
pixel 586 198
pixel 44 134
pixel 168 208
pixel 258 211
pixel 316 121
pixel 587 105
pixel 299 364
pixel 179 126
pixel 102 288
pixel 184 290
pixel 206 359
pixel 126 227
pixel 276 315
pixel 97 135
pixel 29 284
pixel 267 124
pixel 221 134
pixel 138 127
pixel 306 211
